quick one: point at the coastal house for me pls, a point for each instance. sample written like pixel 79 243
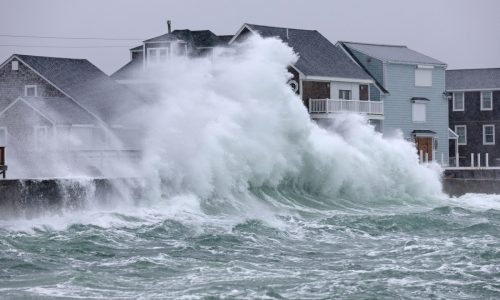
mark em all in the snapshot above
pixel 414 100
pixel 157 50
pixel 61 104
pixel 327 80
pixel 474 111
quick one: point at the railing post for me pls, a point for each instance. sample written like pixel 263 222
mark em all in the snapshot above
pixel 479 160
pixel 487 160
pixel 421 156
pixel 472 160
pixel 426 157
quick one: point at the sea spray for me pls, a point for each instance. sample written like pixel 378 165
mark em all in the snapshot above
pixel 246 198
pixel 230 122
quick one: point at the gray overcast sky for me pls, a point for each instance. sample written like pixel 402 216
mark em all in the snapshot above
pixel 464 34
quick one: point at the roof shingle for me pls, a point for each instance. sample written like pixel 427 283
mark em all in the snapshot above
pixel 317 55
pixel 473 79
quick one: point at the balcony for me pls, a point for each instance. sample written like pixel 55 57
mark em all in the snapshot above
pixel 322 107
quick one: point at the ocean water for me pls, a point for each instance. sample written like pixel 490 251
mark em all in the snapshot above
pixel 246 198
pixel 185 249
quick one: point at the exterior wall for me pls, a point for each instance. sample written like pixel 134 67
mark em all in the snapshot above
pixel 376 69
pixel 137 55
pixel 296 77
pixel 400 82
pixel 474 118
pixel 352 86
pixel 20 121
pixel 315 90
pixel 12 84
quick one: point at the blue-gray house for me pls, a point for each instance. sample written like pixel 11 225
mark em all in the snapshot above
pixel 412 88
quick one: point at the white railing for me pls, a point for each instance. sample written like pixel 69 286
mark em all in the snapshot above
pixel 326 106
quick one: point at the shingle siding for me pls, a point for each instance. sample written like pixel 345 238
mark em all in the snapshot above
pixel 474 118
pixel 12 84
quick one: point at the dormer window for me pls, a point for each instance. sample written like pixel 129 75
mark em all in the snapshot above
pixel 30 91
pixel 15 65
pixel 157 55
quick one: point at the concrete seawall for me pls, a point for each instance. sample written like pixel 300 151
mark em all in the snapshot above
pixel 28 197
pixel 457 182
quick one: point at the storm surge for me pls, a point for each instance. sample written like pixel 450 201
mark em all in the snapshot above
pixel 230 123
pixel 244 197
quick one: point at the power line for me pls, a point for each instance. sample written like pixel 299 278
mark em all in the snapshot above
pixel 68 38
pixel 75 47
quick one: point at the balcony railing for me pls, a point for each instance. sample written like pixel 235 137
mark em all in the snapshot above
pixel 326 106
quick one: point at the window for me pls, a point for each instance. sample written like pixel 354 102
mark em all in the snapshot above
pixel 486 101
pixel 30 91
pixel 40 137
pixel 458 102
pixel 488 134
pixel 345 94
pixel 15 65
pixel 423 77
pixel 3 136
pixel 461 131
pixel 156 55
pixel 419 112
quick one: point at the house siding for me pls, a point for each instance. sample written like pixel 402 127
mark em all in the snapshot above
pixel 20 121
pixel 315 90
pixel 376 69
pixel 12 84
pixel 400 82
pixel 474 118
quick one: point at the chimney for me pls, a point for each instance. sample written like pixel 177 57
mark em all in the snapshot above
pixel 169 26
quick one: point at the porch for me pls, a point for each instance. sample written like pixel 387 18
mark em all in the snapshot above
pixel 324 107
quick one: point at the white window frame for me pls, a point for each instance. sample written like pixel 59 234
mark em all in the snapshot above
pixel 26 87
pixel 421 81
pixel 4 133
pixel 343 92
pixel 39 146
pixel 424 105
pixel 484 134
pixel 491 100
pixel 157 50
pixel 465 134
pixel 15 65
pixel 463 101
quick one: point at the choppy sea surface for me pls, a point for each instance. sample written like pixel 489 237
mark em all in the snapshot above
pixel 295 248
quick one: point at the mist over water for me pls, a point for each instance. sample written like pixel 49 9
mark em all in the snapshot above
pixel 245 197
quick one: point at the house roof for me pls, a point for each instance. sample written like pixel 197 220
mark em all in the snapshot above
pixel 85 84
pixel 131 70
pixel 393 53
pixel 317 55
pixel 197 38
pixel 473 79
pixel 61 110
pixel 136 48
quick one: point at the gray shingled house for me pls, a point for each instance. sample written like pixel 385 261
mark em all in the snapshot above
pixel 156 50
pixel 474 112
pixel 326 79
pixel 414 102
pixel 62 104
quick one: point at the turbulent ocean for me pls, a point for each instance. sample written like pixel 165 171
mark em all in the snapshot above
pixel 243 197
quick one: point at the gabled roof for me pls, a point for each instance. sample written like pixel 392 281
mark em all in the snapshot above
pixel 197 38
pixel 473 79
pixel 317 55
pixel 393 53
pixel 138 48
pixel 88 86
pixel 58 110
pixel 131 70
